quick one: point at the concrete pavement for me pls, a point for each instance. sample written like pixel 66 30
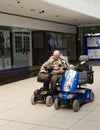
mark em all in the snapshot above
pixel 17 113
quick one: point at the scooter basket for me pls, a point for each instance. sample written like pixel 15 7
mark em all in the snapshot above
pixel 42 75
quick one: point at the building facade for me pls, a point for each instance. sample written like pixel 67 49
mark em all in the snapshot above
pixel 26 42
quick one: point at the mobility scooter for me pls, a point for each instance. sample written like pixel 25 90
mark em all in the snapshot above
pixel 73 91
pixel 40 94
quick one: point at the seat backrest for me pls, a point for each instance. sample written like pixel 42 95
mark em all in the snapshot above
pixel 85 70
pixel 83 75
pixel 84 63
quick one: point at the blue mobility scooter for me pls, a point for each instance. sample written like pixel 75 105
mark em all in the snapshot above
pixel 73 91
pixel 41 95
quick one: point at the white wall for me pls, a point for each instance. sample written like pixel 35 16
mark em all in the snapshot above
pixel 16 21
pixel 93 2
pixel 81 6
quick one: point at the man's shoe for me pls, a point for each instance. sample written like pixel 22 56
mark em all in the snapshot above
pixel 44 92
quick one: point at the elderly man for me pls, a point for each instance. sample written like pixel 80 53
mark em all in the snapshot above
pixel 58 63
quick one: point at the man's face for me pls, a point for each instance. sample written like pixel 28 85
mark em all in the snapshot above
pixel 56 56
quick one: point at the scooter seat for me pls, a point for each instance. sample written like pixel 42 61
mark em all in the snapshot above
pixel 82 81
pixel 81 90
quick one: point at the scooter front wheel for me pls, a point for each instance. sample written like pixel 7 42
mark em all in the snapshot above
pixel 76 105
pixel 33 99
pixel 49 101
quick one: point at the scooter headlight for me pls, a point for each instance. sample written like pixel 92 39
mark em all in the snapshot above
pixel 59 95
pixel 66 88
pixel 70 96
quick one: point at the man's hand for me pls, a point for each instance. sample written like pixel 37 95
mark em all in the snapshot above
pixel 54 72
pixel 42 68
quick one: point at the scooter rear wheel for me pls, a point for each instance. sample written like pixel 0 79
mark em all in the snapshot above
pixel 56 104
pixel 91 99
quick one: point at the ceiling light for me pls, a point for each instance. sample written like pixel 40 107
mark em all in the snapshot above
pixel 41 11
pixel 57 15
pixel 74 20
pixel 18 1
pixel 32 9
pixel 9 4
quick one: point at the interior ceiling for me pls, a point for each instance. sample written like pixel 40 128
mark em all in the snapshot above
pixel 45 11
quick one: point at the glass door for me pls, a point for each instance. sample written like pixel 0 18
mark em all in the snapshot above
pixel 5 50
pixel 21 49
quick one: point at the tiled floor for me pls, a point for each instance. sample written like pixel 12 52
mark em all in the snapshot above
pixel 17 113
